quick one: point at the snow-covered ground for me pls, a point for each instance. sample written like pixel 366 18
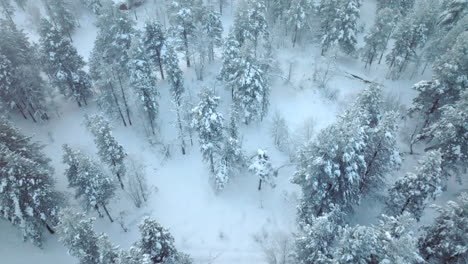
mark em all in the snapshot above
pixel 212 228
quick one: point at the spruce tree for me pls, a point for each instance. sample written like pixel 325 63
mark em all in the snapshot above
pixel 143 80
pixel 63 64
pixel 27 196
pixel 156 242
pixel 109 150
pixel 230 59
pixel 153 41
pixel 212 28
pixel 348 29
pixel 92 185
pixel 411 192
pixel 208 122
pixel 250 22
pixel 445 241
pixel 183 19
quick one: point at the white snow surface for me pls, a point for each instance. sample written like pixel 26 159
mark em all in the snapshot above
pixel 208 226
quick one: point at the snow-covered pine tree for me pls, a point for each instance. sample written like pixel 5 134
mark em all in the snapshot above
pixel 109 150
pixel 108 252
pixel 7 10
pixel 61 15
pixel 91 183
pixel 349 15
pixel 250 22
pixel 262 168
pixel 143 80
pixel 77 234
pixel 176 82
pixel 401 7
pixel 445 241
pixel 330 169
pixel 231 59
pixel 183 19
pixel 379 35
pixel 27 196
pixel 93 5
pixel 452 12
pixel 156 242
pixel 412 192
pixel 212 29
pixel 329 12
pixel 297 14
pixel 391 241
pixel 208 122
pixel 63 64
pixel 313 243
pixel 153 40
pixel 251 89
pixel 449 134
pixel 25 90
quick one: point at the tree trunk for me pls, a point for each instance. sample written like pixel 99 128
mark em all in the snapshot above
pixel 125 101
pixel 97 209
pixel 117 103
pixel 21 110
pixel 259 184
pixel 160 66
pixel 212 163
pixel 107 212
pixel 404 206
pixel 187 53
pixel 179 121
pixel 49 228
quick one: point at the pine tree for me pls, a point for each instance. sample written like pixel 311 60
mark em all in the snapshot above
pixel 250 22
pixel 183 19
pixel 93 5
pixel 314 239
pixel 153 41
pixel 213 30
pixel 61 15
pixel 452 12
pixel 262 168
pixel 92 185
pixel 298 13
pixel 445 240
pixel 77 234
pixel 401 7
pixel 25 90
pixel 250 89
pixel 411 192
pixel 156 241
pixel 176 82
pixel 330 169
pixel 208 122
pixel 109 150
pixel 8 10
pixel 449 134
pixel 143 80
pixel 379 35
pixel 27 196
pixel 348 29
pixel 391 241
pixel 329 12
pixel 63 64
pixel 231 59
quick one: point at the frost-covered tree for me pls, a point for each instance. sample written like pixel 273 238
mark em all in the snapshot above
pixel 348 29
pixel 156 242
pixel 22 85
pixel 93 5
pixel 91 183
pixel 262 168
pixel 183 20
pixel 391 241
pixel 251 89
pixel 7 10
pixel 230 59
pixel 445 241
pixel 208 122
pixel 313 243
pixel 330 169
pixel 153 41
pixel 212 29
pixel 109 150
pixel 450 135
pixel 250 22
pixel 77 234
pixel 176 82
pixel 28 199
pixel 143 80
pixel 61 14
pixel 379 35
pixel 63 64
pixel 452 12
pixel 412 192
pixel 297 14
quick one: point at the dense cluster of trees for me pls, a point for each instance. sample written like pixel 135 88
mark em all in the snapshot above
pixel 347 162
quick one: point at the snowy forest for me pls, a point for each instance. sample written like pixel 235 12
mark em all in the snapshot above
pixel 233 131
